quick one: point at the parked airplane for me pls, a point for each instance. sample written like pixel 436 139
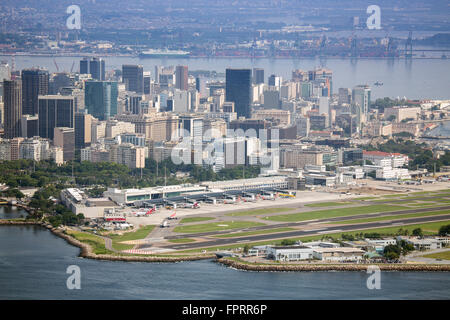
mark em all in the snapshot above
pixel 268 196
pixel 172 216
pixel 230 200
pixel 144 213
pixel 286 195
pixel 191 205
pixel 248 199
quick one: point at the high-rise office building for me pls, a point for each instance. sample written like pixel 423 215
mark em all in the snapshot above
pixel 181 81
pixel 133 77
pixel 84 66
pixel 13 107
pixel 55 111
pixel 5 71
pixel 64 138
pixel 197 84
pixel 238 90
pixel 94 66
pixel 361 98
pixel 147 83
pixel 258 75
pixel 101 98
pixel 29 126
pixel 345 96
pixel 83 122
pixel 275 81
pixel 97 69
pixel 34 83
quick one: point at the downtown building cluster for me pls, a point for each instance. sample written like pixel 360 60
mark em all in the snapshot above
pixel 131 114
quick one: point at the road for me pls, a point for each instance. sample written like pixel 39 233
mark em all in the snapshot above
pixel 302 233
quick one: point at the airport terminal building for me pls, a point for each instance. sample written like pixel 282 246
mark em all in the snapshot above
pixel 202 190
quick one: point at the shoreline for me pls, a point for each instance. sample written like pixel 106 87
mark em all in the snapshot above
pixel 333 267
pixel 84 54
pixel 86 252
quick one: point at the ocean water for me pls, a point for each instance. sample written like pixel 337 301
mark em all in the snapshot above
pixel 9 212
pixel 414 79
pixel 33 264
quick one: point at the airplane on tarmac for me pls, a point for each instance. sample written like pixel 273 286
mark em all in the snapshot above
pixel 286 195
pixel 268 196
pixel 144 213
pixel 191 205
pixel 172 216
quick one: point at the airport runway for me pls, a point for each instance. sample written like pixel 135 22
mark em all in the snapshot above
pixel 301 233
pixel 307 222
pixel 406 200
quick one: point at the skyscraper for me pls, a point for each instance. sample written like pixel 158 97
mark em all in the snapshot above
pixel 55 111
pixel 84 66
pixel 258 75
pixel 34 83
pixel 181 81
pixel 361 98
pixel 101 98
pixel 5 71
pixel 275 81
pixel 83 123
pixel 238 90
pixel 97 69
pixel 133 77
pixel 94 66
pixel 13 107
pixel 65 138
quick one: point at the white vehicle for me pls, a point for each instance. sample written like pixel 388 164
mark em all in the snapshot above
pixel 165 224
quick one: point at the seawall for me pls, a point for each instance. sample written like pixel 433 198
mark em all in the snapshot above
pixel 333 267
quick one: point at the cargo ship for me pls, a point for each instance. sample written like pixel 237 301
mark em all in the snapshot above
pixel 152 53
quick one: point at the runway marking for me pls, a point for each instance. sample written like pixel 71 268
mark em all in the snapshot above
pixel 329 231
pixel 137 251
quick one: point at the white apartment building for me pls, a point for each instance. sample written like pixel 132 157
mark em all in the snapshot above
pixel 115 128
pixel 388 173
pixel 34 148
pixel 401 113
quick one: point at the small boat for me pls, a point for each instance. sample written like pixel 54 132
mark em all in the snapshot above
pixel 378 83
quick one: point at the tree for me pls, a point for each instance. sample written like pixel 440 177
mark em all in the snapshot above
pixel 444 230
pixel 391 255
pixel 391 118
pixel 287 242
pixel 406 247
pixel 392 251
pixel 417 232
pixel 246 248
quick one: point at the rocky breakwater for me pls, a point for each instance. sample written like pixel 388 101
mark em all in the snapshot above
pixel 12 222
pixel 233 263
